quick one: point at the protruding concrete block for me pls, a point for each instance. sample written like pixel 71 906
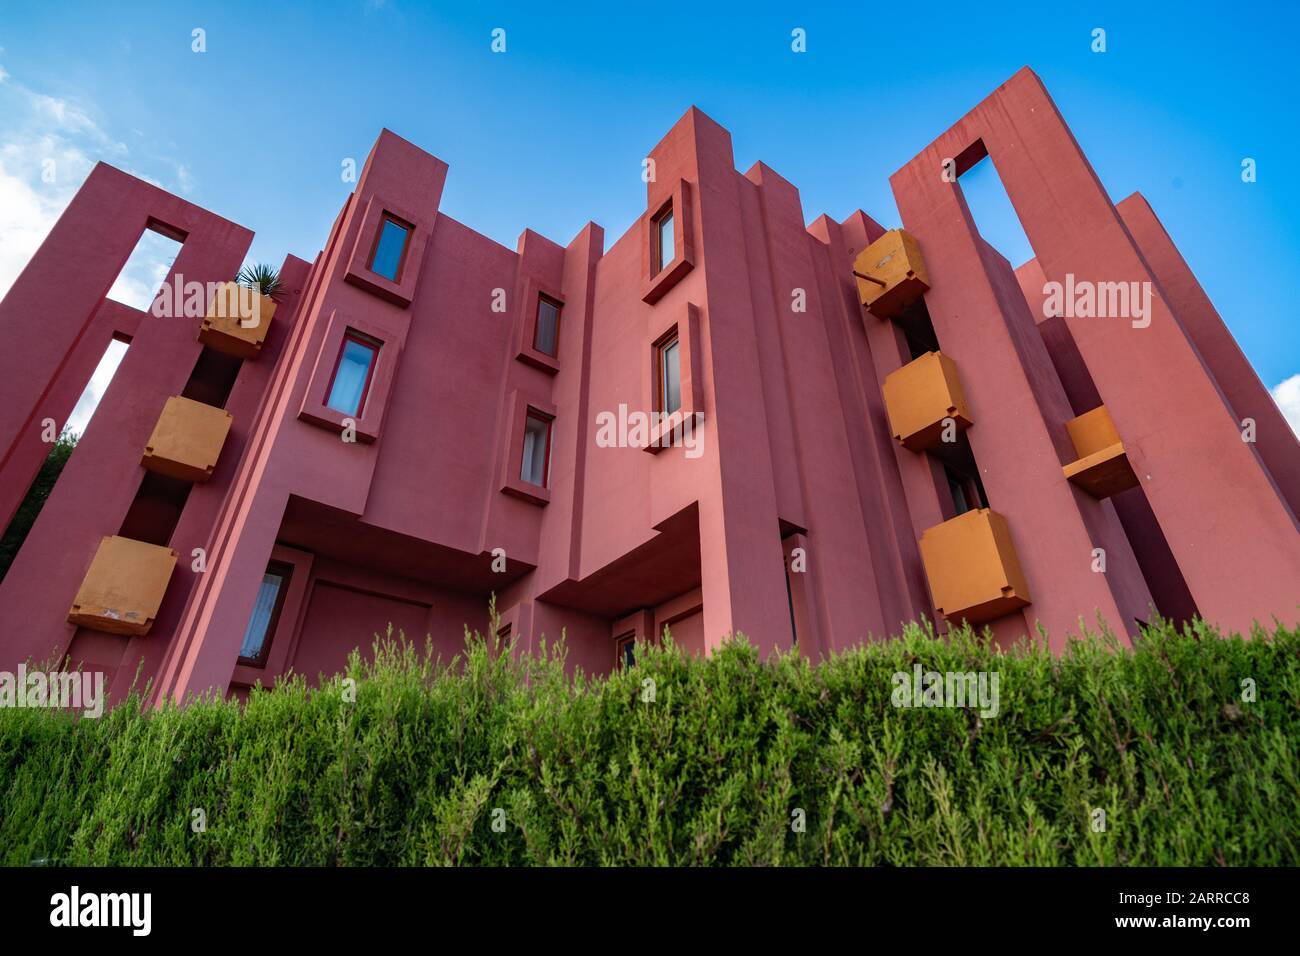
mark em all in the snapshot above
pixel 973 568
pixel 921 397
pixel 891 274
pixel 124 587
pixel 238 320
pixel 187 440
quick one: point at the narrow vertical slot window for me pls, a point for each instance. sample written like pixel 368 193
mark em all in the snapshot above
pixel 266 614
pixel 537 449
pixel 665 245
pixel 670 376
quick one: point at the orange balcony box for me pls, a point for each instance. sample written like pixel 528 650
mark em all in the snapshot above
pixel 238 320
pixel 973 569
pixel 921 396
pixel 187 440
pixel 1102 468
pixel 124 587
pixel 891 274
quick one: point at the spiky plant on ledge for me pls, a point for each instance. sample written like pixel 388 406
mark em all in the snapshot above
pixel 262 277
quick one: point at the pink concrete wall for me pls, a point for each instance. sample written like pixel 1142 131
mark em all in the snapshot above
pixel 402 525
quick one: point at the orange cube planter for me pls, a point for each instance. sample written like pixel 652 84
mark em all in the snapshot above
pixel 920 397
pixel 124 587
pixel 891 274
pixel 237 321
pixel 1102 468
pixel 187 440
pixel 973 568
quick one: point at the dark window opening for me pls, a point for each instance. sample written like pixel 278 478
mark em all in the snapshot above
pixel 156 510
pixel 789 597
pixel 546 335
pixel 213 378
pixel 625 650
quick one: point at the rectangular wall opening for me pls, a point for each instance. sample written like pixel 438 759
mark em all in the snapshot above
pixel 48 475
pixel 995 217
pixel 94 391
pixel 146 269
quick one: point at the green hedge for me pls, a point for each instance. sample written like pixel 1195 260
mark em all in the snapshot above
pixel 713 771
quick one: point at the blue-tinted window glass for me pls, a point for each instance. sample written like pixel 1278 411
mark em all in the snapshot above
pixel 667 245
pixel 388 252
pixel 255 634
pixel 629 654
pixel 350 380
pixel 672 377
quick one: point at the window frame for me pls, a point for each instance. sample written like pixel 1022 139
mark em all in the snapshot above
pixel 386 217
pixel 549 422
pixel 657 262
pixel 628 638
pixel 542 297
pixel 672 338
pixel 285 570
pixel 375 346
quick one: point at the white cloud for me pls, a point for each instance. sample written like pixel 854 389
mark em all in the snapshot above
pixel 1287 396
pixel 50 145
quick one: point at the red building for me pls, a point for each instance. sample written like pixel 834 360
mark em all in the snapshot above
pixel 848 427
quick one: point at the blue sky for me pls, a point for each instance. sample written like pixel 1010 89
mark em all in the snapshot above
pixel 551 133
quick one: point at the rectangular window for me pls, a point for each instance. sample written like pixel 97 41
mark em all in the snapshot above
pixel 390 248
pixel 546 336
pixel 670 376
pixel 352 374
pixel 537 449
pixel 625 650
pixel 664 241
pixel 266 614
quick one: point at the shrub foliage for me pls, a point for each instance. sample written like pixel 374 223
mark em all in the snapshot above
pixel 499 759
